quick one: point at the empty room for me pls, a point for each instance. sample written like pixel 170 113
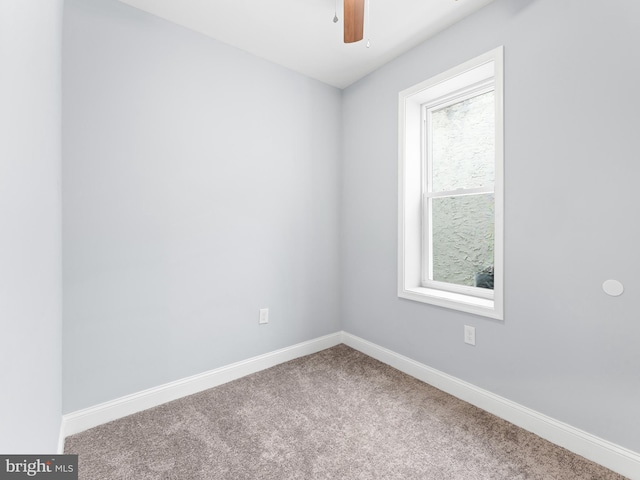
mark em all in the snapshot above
pixel 319 239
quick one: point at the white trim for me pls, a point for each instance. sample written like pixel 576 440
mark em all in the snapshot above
pixel 619 459
pixel 81 420
pixel 460 192
pixel 412 262
pixel 61 437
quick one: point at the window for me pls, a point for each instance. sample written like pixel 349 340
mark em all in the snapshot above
pixel 450 249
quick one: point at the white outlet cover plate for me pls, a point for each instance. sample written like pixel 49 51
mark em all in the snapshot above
pixel 469 335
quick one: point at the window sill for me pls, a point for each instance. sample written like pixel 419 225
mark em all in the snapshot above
pixel 456 301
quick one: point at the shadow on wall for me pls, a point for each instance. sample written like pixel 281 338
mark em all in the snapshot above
pixel 112 9
pixel 517 6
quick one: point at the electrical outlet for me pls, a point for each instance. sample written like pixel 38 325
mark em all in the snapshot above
pixel 264 316
pixel 469 335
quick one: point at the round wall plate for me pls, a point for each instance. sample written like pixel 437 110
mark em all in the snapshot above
pixel 613 288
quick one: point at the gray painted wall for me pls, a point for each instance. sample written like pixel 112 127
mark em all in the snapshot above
pixel 30 226
pixel 571 172
pixel 200 184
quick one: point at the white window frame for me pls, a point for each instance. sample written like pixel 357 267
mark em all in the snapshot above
pixel 484 86
pixel 483 73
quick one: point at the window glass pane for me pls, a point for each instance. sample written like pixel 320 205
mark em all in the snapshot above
pixel 463 144
pixel 463 239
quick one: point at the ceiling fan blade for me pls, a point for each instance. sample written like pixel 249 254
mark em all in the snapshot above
pixel 353 20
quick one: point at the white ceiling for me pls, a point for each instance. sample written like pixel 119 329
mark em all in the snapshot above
pixel 301 35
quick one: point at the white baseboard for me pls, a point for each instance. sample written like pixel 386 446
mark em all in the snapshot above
pixel 603 452
pixel 81 420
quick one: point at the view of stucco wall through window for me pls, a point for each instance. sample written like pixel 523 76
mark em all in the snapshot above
pixel 463 136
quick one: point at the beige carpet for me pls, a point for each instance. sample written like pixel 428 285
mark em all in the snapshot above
pixel 337 414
